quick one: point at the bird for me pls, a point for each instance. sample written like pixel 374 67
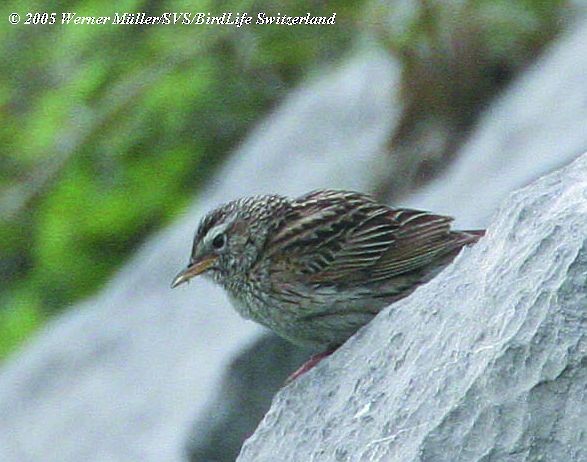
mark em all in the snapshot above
pixel 316 268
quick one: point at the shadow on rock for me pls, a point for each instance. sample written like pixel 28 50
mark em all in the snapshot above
pixel 248 387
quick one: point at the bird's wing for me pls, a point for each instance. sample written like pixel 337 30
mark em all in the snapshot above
pixel 346 237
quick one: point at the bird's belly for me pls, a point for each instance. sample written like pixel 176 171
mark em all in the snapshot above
pixel 242 307
pixel 326 318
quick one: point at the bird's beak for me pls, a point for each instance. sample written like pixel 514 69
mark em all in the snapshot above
pixel 193 270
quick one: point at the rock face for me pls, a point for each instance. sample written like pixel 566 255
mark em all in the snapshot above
pixel 488 362
pixel 251 381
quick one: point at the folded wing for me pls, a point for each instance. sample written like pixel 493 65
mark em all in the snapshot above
pixel 338 237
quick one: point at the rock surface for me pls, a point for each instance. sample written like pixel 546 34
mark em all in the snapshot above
pixel 485 363
pixel 249 384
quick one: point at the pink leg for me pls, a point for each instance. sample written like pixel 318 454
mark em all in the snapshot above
pixel 309 364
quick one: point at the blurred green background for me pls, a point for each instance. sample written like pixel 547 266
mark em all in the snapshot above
pixel 109 131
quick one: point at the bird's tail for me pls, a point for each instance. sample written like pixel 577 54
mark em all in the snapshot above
pixel 471 236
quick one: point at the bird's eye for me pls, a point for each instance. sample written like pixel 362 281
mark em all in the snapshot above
pixel 219 241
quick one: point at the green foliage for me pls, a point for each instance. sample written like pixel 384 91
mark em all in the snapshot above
pixel 20 320
pixel 108 131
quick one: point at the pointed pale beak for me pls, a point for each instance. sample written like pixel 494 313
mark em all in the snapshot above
pixel 193 270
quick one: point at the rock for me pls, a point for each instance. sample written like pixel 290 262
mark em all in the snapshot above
pixel 487 362
pixel 249 384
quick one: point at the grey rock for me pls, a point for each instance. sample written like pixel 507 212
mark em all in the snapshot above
pixel 249 384
pixel 485 363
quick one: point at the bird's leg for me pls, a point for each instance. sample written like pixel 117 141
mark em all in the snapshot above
pixel 309 364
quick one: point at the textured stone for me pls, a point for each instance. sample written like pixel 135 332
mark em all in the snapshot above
pixel 485 363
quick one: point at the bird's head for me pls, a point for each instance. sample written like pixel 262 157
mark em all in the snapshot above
pixel 229 239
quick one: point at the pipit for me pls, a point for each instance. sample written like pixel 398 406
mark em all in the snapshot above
pixel 316 268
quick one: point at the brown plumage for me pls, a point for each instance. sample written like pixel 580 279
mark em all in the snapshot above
pixel 347 237
pixel 316 268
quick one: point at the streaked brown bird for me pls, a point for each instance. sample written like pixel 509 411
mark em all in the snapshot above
pixel 316 268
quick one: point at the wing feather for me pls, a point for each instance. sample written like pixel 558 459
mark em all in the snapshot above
pixel 339 237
